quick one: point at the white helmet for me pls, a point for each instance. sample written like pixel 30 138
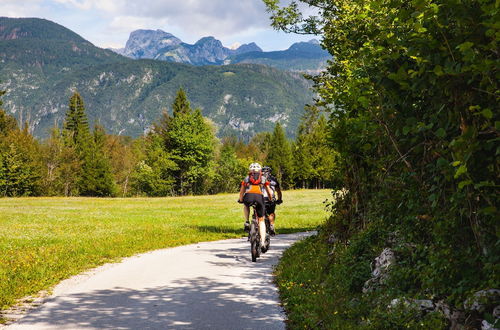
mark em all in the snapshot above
pixel 255 167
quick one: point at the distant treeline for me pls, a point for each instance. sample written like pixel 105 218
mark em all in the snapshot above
pixel 180 155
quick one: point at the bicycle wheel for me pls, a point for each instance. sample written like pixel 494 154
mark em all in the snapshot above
pixel 254 241
pixel 267 241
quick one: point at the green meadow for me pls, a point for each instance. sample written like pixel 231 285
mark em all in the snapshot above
pixel 45 240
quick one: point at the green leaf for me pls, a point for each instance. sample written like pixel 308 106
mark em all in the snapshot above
pixel 489 210
pixel 442 162
pixel 465 46
pixel 456 163
pixel 464 183
pixel 461 170
pixel 438 70
pixel 441 133
pixel 487 113
pixel 363 100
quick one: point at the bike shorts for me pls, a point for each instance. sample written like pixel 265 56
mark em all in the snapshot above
pixel 270 206
pixel 258 199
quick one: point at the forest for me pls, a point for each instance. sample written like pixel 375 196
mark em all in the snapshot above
pixel 180 155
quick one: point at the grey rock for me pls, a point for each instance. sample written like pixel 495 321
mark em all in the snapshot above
pixel 455 317
pixel 160 45
pixel 485 325
pixel 147 43
pixel 380 269
pixel 483 300
pixel 423 305
pixel 496 312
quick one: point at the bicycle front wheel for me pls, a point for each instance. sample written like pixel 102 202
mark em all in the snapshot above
pixel 254 241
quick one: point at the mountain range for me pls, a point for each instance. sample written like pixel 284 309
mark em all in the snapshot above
pixel 160 45
pixel 43 63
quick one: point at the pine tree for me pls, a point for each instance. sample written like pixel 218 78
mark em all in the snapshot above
pixel 280 156
pixel 189 140
pixel 181 103
pixel 20 164
pixel 76 125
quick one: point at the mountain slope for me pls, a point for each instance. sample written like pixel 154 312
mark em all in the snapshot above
pixel 126 96
pixel 301 56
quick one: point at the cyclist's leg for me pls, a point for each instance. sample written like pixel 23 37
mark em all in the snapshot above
pixel 262 224
pixel 272 216
pixel 246 211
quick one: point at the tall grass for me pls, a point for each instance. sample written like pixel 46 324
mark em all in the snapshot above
pixel 45 240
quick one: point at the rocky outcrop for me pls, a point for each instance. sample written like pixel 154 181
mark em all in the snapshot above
pixel 148 43
pixel 380 270
pixel 160 45
pixel 483 304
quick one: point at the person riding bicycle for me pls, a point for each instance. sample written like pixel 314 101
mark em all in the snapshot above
pixel 251 192
pixel 270 201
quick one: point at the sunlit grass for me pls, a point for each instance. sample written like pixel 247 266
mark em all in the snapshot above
pixel 45 240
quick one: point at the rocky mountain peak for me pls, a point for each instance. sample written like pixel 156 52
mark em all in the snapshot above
pixel 147 43
pixel 246 48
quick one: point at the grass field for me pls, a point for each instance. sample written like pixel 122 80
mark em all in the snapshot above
pixel 45 240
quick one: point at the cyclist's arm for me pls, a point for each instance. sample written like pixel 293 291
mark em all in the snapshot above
pixel 280 196
pixel 268 190
pixel 278 190
pixel 242 191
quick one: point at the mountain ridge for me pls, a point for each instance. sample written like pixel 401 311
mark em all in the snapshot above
pixel 126 96
pixel 161 45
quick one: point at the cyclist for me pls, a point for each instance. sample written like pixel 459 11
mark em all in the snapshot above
pixel 270 201
pixel 251 191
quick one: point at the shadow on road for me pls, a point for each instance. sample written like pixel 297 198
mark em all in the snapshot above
pixel 196 303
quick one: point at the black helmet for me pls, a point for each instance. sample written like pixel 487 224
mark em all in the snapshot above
pixel 267 169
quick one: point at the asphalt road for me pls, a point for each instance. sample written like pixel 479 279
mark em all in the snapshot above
pixel 211 285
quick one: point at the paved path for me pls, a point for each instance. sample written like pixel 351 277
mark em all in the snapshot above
pixel 212 285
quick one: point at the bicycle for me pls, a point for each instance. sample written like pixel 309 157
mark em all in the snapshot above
pixel 256 247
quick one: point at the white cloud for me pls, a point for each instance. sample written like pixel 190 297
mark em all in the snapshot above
pixel 13 8
pixel 198 17
pixel 109 22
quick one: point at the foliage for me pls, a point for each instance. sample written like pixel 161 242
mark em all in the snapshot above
pixel 313 158
pixel 94 177
pixel 412 91
pixel 20 167
pixel 229 169
pixel 279 157
pixel 153 175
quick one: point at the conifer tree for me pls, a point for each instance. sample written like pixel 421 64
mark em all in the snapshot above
pixel 181 103
pixel 96 179
pixel 76 124
pixel 189 140
pixel 94 175
pixel 20 165
pixel 280 156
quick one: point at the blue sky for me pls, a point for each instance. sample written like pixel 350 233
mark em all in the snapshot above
pixel 108 23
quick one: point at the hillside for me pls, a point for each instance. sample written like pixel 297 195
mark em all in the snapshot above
pixel 301 56
pixel 43 62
